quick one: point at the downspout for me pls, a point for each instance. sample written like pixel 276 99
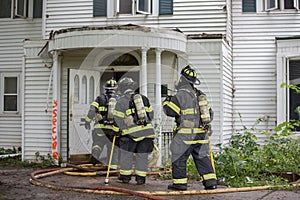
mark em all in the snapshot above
pixel 22 107
pixel 221 138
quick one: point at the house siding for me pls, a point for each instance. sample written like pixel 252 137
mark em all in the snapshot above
pixel 254 61
pixel 190 17
pixel 12 34
pixel 37 102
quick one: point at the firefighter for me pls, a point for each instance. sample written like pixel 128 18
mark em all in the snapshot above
pixel 133 115
pixel 101 111
pixel 190 136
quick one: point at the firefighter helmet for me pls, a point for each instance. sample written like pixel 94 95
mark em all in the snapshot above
pixel 190 74
pixel 111 84
pixel 125 84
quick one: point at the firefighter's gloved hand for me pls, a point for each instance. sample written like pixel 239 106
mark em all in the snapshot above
pixel 98 117
pixel 208 129
pixel 168 98
pixel 129 120
pixel 87 125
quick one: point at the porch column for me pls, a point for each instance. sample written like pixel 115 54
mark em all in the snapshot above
pixel 55 131
pixel 158 124
pixel 143 74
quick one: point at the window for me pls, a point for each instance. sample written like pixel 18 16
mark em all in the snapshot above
pixel 132 7
pixel 21 8
pixel 10 95
pixel 281 4
pixel 105 8
pixel 294 97
pixel 288 72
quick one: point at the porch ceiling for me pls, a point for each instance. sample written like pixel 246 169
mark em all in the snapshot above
pixel 117 36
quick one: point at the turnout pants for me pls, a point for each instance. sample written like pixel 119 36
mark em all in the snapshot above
pixel 129 148
pixel 102 138
pixel 200 153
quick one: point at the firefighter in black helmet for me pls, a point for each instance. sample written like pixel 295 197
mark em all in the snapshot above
pixel 101 111
pixel 191 131
pixel 133 115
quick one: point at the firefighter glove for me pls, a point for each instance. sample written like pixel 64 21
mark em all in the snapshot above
pixel 208 129
pixel 87 125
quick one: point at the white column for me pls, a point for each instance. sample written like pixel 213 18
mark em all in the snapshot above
pixel 158 103
pixel 143 73
pixel 55 122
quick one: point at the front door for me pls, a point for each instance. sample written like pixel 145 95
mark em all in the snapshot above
pixel 83 89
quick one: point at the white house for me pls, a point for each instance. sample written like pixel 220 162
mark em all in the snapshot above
pixel 55 56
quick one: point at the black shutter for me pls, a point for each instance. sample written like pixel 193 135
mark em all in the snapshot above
pixel 166 7
pixel 100 7
pixel 37 8
pixel 249 5
pixel 5 8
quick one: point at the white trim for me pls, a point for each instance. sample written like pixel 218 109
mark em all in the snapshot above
pixel 286 50
pixel 2 77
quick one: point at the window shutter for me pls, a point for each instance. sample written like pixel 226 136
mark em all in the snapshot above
pixel 166 7
pixel 100 8
pixel 249 5
pixel 5 8
pixel 37 8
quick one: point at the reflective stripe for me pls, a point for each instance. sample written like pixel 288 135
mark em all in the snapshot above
pixel 95 104
pixel 114 166
pixel 189 111
pixel 107 126
pixel 102 108
pixel 88 119
pixel 100 134
pixel 209 176
pixel 141 138
pixel 191 130
pixel 119 114
pixel 126 172
pixel 196 142
pixel 180 181
pixel 140 173
pixel 173 106
pixel 96 147
pixel 136 129
pixel 148 109
pixel 129 111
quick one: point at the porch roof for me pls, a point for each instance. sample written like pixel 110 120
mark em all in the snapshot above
pixel 117 36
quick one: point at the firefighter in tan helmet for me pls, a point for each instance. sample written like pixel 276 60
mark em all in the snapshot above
pixel 133 115
pixel 192 115
pixel 101 111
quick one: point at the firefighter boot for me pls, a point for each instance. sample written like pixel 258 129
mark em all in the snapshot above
pixel 124 178
pixel 140 180
pixel 177 187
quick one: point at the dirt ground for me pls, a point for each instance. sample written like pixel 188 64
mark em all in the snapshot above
pixel 15 185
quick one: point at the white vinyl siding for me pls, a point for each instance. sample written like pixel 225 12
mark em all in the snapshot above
pixel 254 61
pixel 12 34
pixel 37 103
pixel 191 17
pixel 204 55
